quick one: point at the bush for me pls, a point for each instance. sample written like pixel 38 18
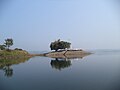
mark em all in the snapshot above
pixel 18 49
pixel 2 47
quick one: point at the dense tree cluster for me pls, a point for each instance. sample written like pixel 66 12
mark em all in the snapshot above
pixel 59 45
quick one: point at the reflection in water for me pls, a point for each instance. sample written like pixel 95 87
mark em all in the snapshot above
pixel 6 64
pixel 8 71
pixel 65 62
pixel 97 72
pixel 60 63
pixel 69 56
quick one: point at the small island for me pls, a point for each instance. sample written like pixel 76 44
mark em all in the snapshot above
pixel 68 54
pixel 62 50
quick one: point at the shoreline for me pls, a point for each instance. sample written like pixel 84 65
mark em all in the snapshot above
pixel 15 54
pixel 68 54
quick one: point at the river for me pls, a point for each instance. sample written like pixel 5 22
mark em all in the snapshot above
pixel 98 71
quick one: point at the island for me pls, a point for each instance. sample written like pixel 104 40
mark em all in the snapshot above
pixel 62 50
pixel 68 54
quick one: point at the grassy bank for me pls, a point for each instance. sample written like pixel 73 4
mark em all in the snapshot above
pixel 12 54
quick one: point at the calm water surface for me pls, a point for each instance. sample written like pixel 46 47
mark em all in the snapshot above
pixel 99 71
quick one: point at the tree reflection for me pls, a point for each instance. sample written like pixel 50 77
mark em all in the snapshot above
pixel 8 71
pixel 5 65
pixel 60 63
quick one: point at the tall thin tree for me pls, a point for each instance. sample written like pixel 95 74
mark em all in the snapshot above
pixel 8 42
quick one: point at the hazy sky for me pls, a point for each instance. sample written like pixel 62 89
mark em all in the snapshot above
pixel 87 24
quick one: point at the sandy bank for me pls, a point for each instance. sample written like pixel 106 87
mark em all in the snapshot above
pixel 68 54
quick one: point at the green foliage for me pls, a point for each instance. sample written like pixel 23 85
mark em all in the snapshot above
pixel 59 45
pixel 8 42
pixel 2 47
pixel 13 54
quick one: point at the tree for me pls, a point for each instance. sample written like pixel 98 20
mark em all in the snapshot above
pixel 2 47
pixel 59 45
pixel 8 42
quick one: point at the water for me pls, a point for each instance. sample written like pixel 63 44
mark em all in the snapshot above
pixel 99 71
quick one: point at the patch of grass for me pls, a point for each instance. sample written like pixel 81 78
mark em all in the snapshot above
pixel 13 54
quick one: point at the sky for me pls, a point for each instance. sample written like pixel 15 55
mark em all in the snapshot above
pixel 34 24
